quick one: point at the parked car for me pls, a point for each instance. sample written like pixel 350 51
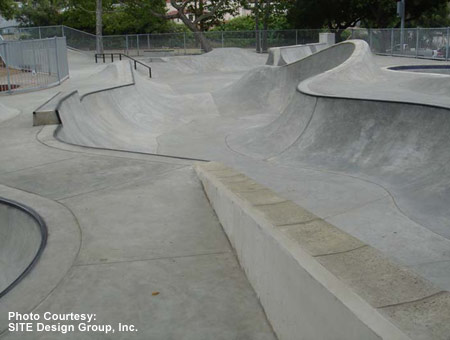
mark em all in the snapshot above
pixel 439 53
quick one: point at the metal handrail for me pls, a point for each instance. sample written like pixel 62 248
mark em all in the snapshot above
pixel 103 55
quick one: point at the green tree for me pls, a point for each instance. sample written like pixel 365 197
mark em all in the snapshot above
pixel 247 23
pixel 119 17
pixel 41 12
pixel 340 14
pixel 199 15
pixel 265 13
pixel 7 8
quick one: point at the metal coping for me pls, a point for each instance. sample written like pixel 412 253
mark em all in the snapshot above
pixel 44 236
pixel 419 67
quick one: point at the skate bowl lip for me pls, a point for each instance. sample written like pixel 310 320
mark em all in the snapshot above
pixel 360 48
pixel 421 67
pixel 44 236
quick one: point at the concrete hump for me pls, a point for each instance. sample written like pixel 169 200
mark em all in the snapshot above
pixel 314 280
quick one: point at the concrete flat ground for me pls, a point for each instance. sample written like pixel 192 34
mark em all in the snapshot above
pixel 143 221
pixel 148 249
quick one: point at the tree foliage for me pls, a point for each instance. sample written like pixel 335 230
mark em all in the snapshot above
pixel 7 8
pixel 247 23
pixel 40 13
pixel 119 17
pixel 340 14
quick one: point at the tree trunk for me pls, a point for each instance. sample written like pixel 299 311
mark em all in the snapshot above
pixel 199 36
pixel 99 26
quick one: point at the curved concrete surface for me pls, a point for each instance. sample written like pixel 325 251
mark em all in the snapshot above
pixel 392 298
pixel 23 239
pixel 279 56
pixel 375 166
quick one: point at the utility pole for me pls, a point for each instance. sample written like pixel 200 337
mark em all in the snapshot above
pixel 258 40
pixel 99 26
pixel 401 4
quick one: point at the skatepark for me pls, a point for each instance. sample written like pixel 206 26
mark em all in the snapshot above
pixel 300 194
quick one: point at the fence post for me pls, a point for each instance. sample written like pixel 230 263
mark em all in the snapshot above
pixel 39 28
pixel 62 31
pixel 370 38
pixel 57 60
pixel 148 41
pixel 446 45
pixel 222 40
pixel 392 41
pixel 417 41
pixel 137 43
pixel 50 63
pixel 184 42
pixel 34 58
pixel 8 76
pixel 126 43
pixel 296 37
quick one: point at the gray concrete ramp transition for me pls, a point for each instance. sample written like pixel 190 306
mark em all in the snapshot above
pixel 360 146
pixel 23 238
pixel 332 115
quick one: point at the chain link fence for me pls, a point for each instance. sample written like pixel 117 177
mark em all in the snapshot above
pixel 427 43
pixel 410 42
pixel 32 64
pixel 166 43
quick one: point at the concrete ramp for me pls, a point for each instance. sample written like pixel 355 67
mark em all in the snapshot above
pixel 279 56
pixel 281 133
pixel 129 117
pixel 23 237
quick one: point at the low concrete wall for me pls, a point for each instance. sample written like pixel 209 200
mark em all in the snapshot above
pixel 279 56
pixel 315 281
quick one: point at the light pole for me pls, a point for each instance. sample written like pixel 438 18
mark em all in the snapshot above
pixel 99 26
pixel 401 13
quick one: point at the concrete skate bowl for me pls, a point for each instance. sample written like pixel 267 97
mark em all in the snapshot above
pixel 401 146
pixel 222 60
pixel 396 143
pixel 278 90
pixel 23 239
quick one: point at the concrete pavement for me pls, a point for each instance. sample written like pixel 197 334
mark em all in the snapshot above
pixel 358 145
pixel 132 238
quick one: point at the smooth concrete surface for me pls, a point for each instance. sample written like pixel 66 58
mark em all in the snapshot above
pixel 132 237
pixel 370 167
pixel 280 245
pixel 279 56
pixel 353 145
pixel 20 241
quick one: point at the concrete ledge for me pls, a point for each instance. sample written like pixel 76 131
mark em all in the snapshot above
pixel 314 280
pixel 47 113
pixel 279 56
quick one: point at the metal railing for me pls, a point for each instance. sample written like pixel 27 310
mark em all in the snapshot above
pixel 103 56
pixel 427 43
pixel 32 64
